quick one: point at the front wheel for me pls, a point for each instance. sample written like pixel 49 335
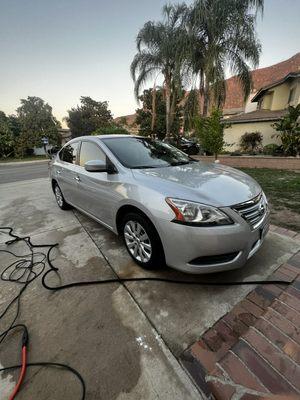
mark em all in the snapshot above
pixel 142 241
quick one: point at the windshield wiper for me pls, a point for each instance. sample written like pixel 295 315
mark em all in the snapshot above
pixel 143 166
pixel 174 164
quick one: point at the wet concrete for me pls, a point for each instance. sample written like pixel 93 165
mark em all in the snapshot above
pixel 122 338
pixel 182 313
pixel 99 330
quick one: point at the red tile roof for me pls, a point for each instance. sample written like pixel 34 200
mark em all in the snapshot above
pixel 257 115
pixel 261 77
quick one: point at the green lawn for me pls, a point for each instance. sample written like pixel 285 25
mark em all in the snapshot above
pixel 282 188
pixel 29 158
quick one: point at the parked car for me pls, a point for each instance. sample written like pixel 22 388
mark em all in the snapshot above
pixel 167 207
pixel 188 146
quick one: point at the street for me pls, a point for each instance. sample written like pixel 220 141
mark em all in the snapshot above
pixel 23 171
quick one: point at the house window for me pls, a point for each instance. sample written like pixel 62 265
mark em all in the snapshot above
pixel 292 95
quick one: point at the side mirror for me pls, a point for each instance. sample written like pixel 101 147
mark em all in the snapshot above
pixel 95 166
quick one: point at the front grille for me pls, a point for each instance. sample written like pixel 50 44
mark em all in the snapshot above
pixel 253 211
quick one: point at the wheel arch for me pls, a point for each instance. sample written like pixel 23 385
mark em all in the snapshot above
pixel 125 209
pixel 53 183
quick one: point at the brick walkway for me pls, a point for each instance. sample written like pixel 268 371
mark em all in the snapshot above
pixel 253 352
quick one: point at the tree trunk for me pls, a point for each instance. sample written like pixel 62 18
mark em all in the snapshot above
pixel 205 99
pixel 168 106
pixel 153 120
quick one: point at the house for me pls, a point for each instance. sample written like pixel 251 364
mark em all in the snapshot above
pixel 65 135
pixel 274 88
pixel 128 122
pixel 280 87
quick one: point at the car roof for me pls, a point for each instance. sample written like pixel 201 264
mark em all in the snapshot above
pixel 107 137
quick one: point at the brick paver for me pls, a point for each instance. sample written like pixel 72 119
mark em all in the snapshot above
pixel 253 352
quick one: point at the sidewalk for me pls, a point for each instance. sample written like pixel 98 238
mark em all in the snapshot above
pixel 253 352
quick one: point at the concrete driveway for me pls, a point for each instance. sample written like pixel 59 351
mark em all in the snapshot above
pixel 124 340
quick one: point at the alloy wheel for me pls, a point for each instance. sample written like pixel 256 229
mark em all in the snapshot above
pixel 137 241
pixel 58 196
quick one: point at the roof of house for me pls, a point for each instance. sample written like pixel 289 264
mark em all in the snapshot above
pixel 256 116
pixel 261 77
pixel 263 90
pixel 130 119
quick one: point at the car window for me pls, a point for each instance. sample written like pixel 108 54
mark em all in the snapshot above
pixel 90 151
pixel 137 152
pixel 68 153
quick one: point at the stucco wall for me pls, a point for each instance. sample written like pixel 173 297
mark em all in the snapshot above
pixel 280 97
pixel 234 133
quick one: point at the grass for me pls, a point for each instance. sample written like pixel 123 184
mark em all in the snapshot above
pixel 282 189
pixel 29 158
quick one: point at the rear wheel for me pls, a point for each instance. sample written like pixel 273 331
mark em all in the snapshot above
pixel 142 241
pixel 60 198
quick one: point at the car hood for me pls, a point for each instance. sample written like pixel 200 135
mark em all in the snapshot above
pixel 213 184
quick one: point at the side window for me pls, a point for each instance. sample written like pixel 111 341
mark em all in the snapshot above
pixel 68 153
pixel 90 151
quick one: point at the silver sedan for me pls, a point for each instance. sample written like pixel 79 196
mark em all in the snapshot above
pixel 167 207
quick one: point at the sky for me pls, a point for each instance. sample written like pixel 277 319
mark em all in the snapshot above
pixel 60 50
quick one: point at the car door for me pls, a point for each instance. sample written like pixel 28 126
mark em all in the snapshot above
pixel 96 189
pixel 66 171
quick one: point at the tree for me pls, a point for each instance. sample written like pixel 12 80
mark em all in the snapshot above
pixel 161 51
pixel 111 130
pixel 289 128
pixel 251 141
pixel 144 115
pixel 6 136
pixel 210 131
pixel 88 117
pixel 222 37
pixel 36 121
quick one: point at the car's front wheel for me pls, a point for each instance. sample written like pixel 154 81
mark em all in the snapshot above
pixel 60 200
pixel 142 241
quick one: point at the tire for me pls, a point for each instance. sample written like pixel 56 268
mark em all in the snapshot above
pixel 193 151
pixel 60 200
pixel 142 241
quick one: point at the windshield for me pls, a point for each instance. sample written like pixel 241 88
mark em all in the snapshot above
pixel 134 152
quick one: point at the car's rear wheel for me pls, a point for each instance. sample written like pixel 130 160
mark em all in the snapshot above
pixel 142 241
pixel 60 200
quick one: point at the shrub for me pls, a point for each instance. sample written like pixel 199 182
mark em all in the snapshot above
pixel 236 153
pixel 289 128
pixel 251 141
pixel 272 149
pixel 210 131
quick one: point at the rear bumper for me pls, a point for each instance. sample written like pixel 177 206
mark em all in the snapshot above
pixel 211 249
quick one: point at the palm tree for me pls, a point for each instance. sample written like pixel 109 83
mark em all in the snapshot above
pixel 222 37
pixel 160 48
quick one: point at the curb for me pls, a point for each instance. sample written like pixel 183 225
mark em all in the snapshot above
pixel 24 162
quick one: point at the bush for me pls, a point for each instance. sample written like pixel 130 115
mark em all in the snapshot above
pixel 111 130
pixel 251 141
pixel 210 131
pixel 289 131
pixel 272 149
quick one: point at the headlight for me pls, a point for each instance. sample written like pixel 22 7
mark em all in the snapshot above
pixel 191 213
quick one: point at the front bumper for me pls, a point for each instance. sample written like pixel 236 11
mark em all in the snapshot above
pixel 200 250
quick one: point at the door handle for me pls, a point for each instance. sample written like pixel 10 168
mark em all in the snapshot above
pixel 58 172
pixel 77 178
